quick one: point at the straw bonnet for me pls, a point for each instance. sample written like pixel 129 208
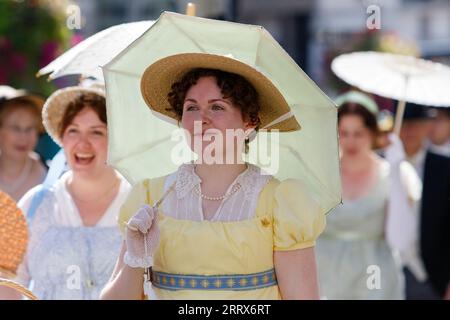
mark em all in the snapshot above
pixel 56 105
pixel 9 94
pixel 13 235
pixel 415 111
pixel 158 78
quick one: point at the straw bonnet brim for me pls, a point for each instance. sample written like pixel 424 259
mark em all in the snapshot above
pixel 158 78
pixel 56 105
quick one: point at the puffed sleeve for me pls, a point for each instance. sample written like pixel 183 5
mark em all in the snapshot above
pixel 298 218
pixel 138 196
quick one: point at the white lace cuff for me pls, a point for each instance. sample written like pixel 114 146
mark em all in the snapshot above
pixel 137 262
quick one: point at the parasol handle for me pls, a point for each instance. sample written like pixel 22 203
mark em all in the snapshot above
pixel 190 9
pixel 399 116
pixel 156 205
pixel 401 107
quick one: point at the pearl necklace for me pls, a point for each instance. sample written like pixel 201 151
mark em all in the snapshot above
pixel 234 189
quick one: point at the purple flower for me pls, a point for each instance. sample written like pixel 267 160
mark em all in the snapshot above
pixel 18 62
pixel 48 53
pixel 76 39
pixel 3 76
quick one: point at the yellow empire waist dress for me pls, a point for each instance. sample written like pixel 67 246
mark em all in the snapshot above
pixel 286 218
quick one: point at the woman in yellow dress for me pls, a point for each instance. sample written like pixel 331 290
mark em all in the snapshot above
pixel 224 230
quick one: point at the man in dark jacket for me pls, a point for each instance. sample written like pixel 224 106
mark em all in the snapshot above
pixel 431 279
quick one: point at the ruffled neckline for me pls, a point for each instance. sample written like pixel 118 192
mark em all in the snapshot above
pixel 187 179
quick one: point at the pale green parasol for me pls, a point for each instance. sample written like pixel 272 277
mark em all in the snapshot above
pixel 140 143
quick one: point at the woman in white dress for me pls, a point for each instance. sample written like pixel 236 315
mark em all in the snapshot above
pixel 74 239
pixel 358 253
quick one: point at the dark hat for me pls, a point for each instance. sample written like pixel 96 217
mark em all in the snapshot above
pixel 418 112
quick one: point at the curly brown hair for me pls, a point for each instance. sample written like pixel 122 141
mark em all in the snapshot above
pixel 233 86
pixel 86 100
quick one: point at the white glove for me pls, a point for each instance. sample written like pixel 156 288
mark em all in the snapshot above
pixel 142 237
pixel 395 153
